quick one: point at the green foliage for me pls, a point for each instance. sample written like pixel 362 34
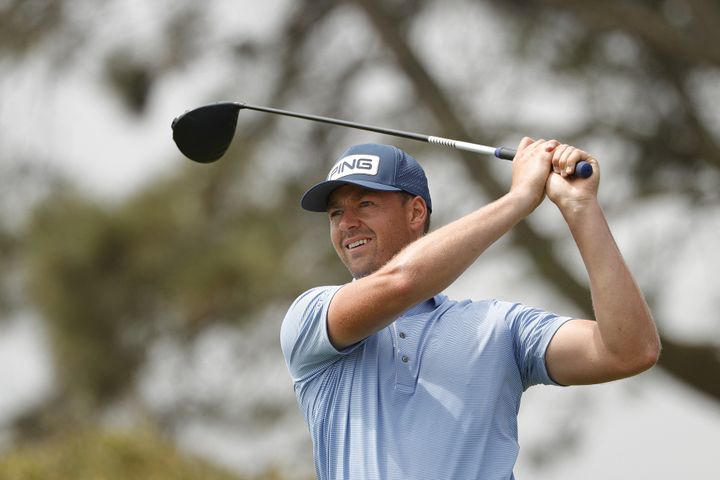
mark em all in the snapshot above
pixel 101 455
pixel 24 24
pixel 192 250
pixel 8 246
pixel 77 254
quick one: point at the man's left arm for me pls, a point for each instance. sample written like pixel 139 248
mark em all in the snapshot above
pixel 623 339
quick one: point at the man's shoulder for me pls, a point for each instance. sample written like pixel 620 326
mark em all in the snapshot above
pixel 306 305
pixel 303 334
pixel 313 295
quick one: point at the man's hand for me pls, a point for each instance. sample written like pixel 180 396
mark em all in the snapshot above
pixel 534 165
pixel 531 167
pixel 565 190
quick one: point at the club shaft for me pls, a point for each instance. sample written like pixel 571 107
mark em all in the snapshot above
pixel 457 144
pixel 582 169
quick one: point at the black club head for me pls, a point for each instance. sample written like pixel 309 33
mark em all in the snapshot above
pixel 204 134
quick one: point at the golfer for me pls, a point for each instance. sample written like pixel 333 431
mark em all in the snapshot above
pixel 395 380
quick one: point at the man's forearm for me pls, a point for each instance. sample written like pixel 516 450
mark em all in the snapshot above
pixel 435 261
pixel 623 317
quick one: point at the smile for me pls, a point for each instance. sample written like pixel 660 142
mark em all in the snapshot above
pixel 357 243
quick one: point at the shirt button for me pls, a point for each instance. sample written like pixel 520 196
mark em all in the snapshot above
pixel 401 334
pixel 404 358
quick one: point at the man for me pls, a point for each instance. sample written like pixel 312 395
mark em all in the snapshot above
pixel 395 380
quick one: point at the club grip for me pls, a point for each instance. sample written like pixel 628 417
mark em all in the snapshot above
pixel 505 153
pixel 582 169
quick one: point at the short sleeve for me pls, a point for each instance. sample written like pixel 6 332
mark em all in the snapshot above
pixel 303 336
pixel 532 331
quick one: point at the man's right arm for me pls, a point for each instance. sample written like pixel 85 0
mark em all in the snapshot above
pixel 430 264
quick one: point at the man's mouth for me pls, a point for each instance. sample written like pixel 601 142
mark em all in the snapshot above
pixel 357 243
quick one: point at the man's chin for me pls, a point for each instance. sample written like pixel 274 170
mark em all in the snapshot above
pixel 359 272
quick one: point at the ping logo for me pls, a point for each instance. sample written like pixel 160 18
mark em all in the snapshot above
pixel 355 164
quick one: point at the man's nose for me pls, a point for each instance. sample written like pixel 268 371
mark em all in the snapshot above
pixel 349 220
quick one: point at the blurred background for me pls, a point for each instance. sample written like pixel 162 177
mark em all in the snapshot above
pixel 141 295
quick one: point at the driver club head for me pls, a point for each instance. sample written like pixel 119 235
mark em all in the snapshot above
pixel 205 133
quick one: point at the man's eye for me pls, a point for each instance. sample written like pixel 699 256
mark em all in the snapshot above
pixel 334 213
pixel 366 203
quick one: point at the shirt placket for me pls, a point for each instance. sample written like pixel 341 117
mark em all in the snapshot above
pixel 407 341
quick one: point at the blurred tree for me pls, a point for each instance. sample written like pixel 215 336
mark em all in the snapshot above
pixel 169 262
pixel 92 455
pixel 24 24
pixel 182 255
pixel 217 244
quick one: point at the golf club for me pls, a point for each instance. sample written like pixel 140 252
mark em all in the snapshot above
pixel 205 133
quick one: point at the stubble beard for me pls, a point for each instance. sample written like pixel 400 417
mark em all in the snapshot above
pixel 358 273
pixel 369 267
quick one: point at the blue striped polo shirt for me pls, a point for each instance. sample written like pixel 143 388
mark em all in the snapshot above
pixel 434 395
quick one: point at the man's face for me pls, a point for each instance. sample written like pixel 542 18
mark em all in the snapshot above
pixel 368 228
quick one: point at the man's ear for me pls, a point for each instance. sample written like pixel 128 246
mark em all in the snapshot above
pixel 418 213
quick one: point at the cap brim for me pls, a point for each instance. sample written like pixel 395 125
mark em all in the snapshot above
pixel 316 198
